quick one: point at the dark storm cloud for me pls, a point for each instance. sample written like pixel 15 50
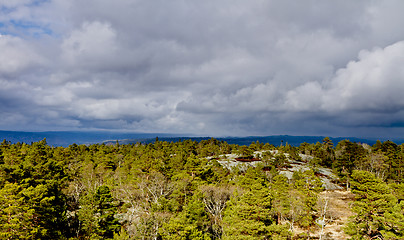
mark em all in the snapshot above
pixel 207 67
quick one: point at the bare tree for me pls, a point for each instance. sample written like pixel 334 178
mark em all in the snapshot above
pixel 155 187
pixel 322 221
pixel 215 199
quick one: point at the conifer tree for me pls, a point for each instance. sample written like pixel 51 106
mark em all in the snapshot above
pixel 15 216
pixel 375 207
pixel 97 214
pixel 34 181
pixel 248 216
pixel 191 223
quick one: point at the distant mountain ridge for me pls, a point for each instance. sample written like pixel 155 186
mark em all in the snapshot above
pixel 275 140
pixel 66 138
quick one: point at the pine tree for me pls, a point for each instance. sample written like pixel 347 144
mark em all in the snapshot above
pixel 249 216
pixel 97 214
pixel 191 223
pixel 307 187
pixel 15 216
pixel 375 206
pixel 35 181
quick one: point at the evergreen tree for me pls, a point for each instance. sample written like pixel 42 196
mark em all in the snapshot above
pixel 35 181
pixel 192 223
pixel 307 187
pixel 106 210
pixel 375 207
pixel 15 215
pixel 97 215
pixel 280 189
pixel 248 216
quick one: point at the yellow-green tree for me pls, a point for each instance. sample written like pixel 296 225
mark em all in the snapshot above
pixel 378 213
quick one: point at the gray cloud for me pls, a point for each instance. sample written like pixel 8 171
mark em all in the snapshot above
pixel 206 67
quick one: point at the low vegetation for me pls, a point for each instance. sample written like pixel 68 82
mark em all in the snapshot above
pixel 191 190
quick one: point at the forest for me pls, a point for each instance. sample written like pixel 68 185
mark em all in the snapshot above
pixel 182 190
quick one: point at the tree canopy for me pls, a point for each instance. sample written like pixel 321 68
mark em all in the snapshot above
pixel 193 190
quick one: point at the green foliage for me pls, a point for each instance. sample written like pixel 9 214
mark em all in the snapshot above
pixel 248 216
pixel 34 181
pixel 348 154
pixel 279 160
pixel 105 210
pixel 97 214
pixel 306 186
pixel 15 215
pixel 192 223
pixel 172 190
pixel 377 213
pixel 280 189
pixel 122 235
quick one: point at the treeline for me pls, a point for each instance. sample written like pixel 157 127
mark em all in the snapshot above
pixel 179 190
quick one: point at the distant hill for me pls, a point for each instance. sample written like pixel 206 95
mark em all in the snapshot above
pixel 66 138
pixel 274 140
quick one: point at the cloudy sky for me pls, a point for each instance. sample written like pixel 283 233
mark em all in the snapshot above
pixel 212 67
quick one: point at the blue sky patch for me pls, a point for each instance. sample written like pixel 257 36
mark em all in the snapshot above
pixel 24 28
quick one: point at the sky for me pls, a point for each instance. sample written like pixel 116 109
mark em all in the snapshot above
pixel 211 68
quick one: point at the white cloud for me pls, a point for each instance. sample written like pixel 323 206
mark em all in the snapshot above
pixel 365 93
pixel 16 55
pixel 307 97
pixel 212 67
pixel 92 44
pixel 375 82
